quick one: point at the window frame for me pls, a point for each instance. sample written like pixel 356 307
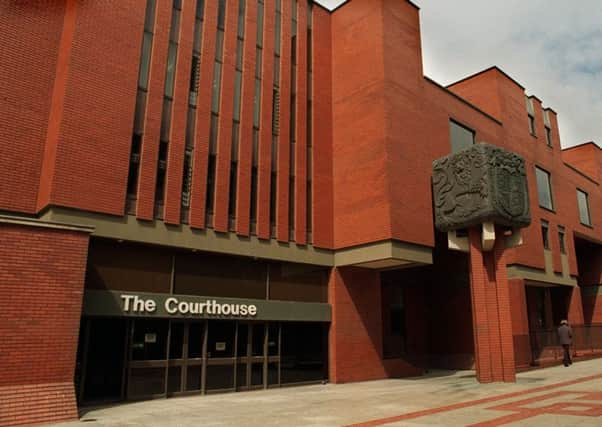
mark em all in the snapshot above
pixel 464 127
pixel 549 180
pixel 589 214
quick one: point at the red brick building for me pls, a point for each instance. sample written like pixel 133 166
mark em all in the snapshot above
pixel 201 196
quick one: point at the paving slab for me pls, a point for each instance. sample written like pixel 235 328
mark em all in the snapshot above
pixel 555 396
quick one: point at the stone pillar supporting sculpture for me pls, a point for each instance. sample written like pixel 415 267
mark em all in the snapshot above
pixel 483 189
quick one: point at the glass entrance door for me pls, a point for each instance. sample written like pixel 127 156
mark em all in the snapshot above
pixel 221 339
pixel 147 370
pixel 185 357
pixel 250 357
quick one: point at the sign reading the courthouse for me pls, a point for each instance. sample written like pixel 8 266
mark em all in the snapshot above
pixel 136 305
pixel 107 303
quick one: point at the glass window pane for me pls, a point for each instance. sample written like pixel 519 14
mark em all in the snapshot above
pixel 543 188
pixel 175 26
pixel 217 78
pixel 139 113
pixel 198 36
pixel 237 90
pixel 171 69
pixel 147 42
pixel 219 45
pixel 193 377
pixel 195 340
pixel 149 20
pixel 146 382
pixel 582 201
pixel 460 137
pixel 149 340
pixel 304 352
pixel 260 24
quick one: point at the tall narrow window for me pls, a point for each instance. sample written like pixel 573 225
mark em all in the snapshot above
pixel 236 111
pixel 275 113
pixel 548 127
pixel 256 109
pixel 168 91
pixel 140 109
pixel 293 119
pixel 544 191
pixel 583 204
pixel 195 70
pixel 531 125
pixel 530 115
pixel 460 136
pixel 215 101
pixel 561 239
pixel 545 234
pixel 309 206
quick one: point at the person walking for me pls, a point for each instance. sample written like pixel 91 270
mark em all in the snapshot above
pixel 565 336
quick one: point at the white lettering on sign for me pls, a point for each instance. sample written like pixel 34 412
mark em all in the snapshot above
pixel 135 304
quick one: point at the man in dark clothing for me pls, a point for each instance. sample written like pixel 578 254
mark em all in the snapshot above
pixel 565 336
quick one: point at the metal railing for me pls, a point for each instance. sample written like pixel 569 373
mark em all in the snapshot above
pixel 587 340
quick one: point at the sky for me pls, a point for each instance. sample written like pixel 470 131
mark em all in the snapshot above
pixel 551 47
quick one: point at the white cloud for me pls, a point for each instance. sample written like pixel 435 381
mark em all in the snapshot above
pixel 552 47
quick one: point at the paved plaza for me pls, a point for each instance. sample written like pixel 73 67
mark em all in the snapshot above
pixel 556 396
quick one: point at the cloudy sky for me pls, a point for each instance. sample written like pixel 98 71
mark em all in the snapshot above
pixel 552 47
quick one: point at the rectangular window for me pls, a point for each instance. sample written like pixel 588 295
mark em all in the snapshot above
pixel 545 234
pixel 583 203
pixel 460 136
pixel 532 125
pixel 561 239
pixel 544 190
pixel 548 136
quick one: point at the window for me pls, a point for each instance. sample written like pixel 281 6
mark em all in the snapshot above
pixel 460 137
pixel 545 235
pixel 532 125
pixel 544 191
pixel 548 136
pixel 561 239
pixel 583 208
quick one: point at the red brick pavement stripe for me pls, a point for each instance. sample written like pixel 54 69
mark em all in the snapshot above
pixel 461 405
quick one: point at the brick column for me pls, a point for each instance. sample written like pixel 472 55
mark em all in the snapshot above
pixel 42 270
pixel 492 323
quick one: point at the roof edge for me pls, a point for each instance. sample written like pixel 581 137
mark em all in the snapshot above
pixel 493 67
pixel 582 145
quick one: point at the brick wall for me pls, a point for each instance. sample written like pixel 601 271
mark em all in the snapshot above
pixel 355 339
pixel 42 276
pixel 28 62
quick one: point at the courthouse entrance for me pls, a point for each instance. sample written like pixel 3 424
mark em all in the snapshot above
pixel 141 358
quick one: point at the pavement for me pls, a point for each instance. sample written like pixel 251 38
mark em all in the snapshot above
pixel 555 396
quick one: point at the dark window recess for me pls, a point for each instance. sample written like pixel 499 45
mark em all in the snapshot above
pixel 232 193
pixel 273 183
pixel 210 184
pixel 545 234
pixel 254 193
pixel 394 320
pixel 548 136
pixel 168 91
pixel 561 234
pixel 140 108
pixel 460 136
pixel 531 124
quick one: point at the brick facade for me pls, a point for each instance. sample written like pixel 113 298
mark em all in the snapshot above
pixel 375 124
pixel 42 276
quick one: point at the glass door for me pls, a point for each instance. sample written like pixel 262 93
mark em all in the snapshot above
pixel 221 339
pixel 185 357
pixel 250 356
pixel 147 370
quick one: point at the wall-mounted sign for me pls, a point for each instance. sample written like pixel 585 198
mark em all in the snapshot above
pixel 172 305
pixel 165 306
pixel 220 346
pixel 150 338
